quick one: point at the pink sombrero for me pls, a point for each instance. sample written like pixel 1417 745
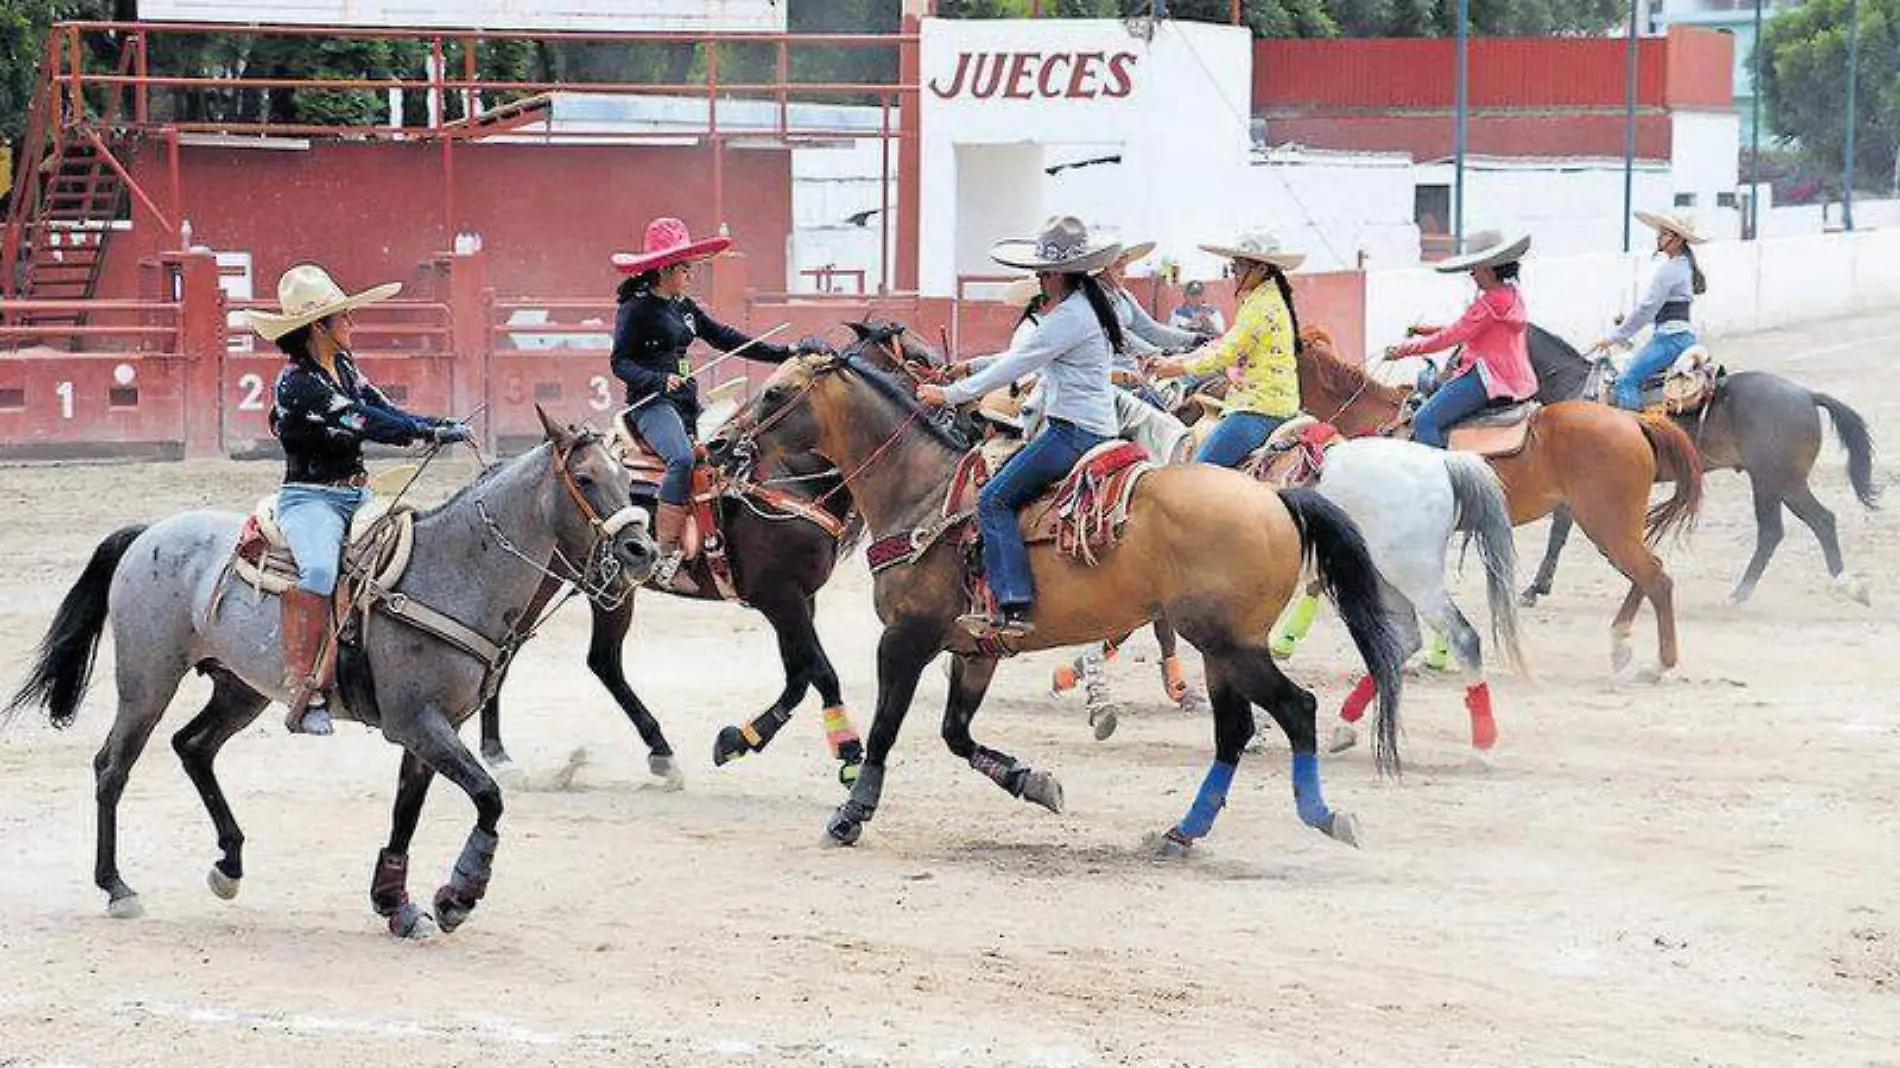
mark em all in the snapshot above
pixel 667 242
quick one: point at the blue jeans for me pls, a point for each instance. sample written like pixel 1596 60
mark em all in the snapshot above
pixel 660 424
pixel 315 520
pixel 1460 398
pixel 1046 460
pixel 1652 359
pixel 1237 436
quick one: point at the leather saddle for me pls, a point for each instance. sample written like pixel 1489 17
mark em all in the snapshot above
pixel 1083 513
pixel 379 544
pixel 1294 454
pixel 1500 431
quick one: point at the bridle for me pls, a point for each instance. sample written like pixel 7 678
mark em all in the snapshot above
pixel 598 576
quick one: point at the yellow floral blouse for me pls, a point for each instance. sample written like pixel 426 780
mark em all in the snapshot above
pixel 1257 353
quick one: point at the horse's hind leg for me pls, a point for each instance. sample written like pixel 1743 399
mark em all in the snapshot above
pixel 1802 502
pixel 969 681
pixel 605 659
pixel 1768 533
pixel 144 691
pixel 1293 708
pixel 233 706
pixel 1560 524
pixel 1405 624
pixel 1466 645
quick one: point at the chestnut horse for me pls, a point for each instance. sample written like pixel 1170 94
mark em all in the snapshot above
pixel 898 462
pixel 1598 460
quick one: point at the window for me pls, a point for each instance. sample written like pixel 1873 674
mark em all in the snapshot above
pixel 1685 200
pixel 1725 200
pixel 1431 208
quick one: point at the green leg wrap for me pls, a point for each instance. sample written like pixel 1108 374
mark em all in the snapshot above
pixel 1293 625
pixel 1437 653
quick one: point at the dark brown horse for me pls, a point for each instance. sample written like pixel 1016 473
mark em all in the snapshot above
pixel 898 462
pixel 1760 424
pixel 1600 461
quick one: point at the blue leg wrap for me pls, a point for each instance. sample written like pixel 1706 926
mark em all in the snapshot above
pixel 1306 792
pixel 1207 804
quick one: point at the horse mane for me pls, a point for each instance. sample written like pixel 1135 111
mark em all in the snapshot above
pixel 1555 345
pixel 1343 379
pixel 482 478
pixel 898 392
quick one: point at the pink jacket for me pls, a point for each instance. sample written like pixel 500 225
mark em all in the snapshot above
pixel 1493 333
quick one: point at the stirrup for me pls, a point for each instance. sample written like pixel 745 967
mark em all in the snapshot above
pixel 984 625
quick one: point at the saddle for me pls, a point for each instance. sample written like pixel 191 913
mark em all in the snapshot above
pixel 703 541
pixel 379 544
pixel 1295 454
pixel 1688 385
pixel 1494 432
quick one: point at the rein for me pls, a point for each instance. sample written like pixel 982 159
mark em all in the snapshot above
pixel 598 576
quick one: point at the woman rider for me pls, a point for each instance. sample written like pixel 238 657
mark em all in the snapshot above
pixel 1073 350
pixel 1672 290
pixel 653 327
pixel 1495 365
pixel 324 409
pixel 1258 352
pixel 1144 336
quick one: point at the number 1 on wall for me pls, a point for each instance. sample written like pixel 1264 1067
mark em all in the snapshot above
pixel 65 391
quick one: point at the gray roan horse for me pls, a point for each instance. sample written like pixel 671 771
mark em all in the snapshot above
pixel 1758 423
pixel 478 559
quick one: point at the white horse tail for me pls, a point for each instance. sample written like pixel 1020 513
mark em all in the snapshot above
pixel 1484 513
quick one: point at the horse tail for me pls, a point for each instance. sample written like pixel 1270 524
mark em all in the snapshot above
pixel 62 667
pixel 1852 430
pixel 1677 461
pixel 1334 548
pixel 1484 511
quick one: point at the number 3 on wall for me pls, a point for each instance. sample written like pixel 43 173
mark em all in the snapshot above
pixel 253 387
pixel 599 399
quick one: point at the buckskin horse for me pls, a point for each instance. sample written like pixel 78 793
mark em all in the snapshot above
pixel 1599 460
pixel 899 464
pixel 1761 424
pixel 431 635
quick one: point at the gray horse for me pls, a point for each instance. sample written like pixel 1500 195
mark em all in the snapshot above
pixel 478 560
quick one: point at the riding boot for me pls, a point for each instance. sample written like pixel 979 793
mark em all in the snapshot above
pixel 672 528
pixel 306 623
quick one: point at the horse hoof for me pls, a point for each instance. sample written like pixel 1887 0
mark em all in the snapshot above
pixel 1620 657
pixel 412 924
pixel 1527 599
pixel 128 907
pixel 1344 827
pixel 729 746
pixel 1480 761
pixel 497 759
pixel 450 911
pixel 1740 595
pixel 1105 723
pixel 1193 703
pixel 1344 738
pixel 1170 846
pixel 843 830
pixel 667 769
pixel 1044 789
pixel 221 884
pixel 1853 588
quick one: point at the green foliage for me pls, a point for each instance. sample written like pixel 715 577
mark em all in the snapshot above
pixel 1804 85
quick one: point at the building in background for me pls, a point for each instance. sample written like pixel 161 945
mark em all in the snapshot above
pixel 1735 18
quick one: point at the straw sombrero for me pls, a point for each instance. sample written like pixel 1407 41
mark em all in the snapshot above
pixel 667 242
pixel 1135 253
pixel 1065 245
pixel 307 293
pixel 1492 251
pixel 1003 407
pixel 1261 246
pixel 1675 222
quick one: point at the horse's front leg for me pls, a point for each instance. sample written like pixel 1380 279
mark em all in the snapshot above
pixel 389 884
pixel 432 740
pixel 903 652
pixel 969 681
pixel 605 658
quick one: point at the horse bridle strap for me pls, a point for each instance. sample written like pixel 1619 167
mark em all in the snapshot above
pixel 607 527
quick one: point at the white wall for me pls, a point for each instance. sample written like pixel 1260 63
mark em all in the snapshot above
pixel 1568 207
pixel 1085 85
pixel 1704 164
pixel 995 201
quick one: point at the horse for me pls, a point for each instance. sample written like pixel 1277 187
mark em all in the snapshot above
pixel 898 463
pixel 1599 460
pixel 1761 424
pixel 417 672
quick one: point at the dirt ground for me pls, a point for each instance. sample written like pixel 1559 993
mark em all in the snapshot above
pixel 1696 872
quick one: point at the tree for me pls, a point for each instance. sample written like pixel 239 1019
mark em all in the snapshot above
pixel 1804 85
pixel 23 27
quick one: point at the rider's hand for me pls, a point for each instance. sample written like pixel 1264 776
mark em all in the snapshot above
pixel 956 370
pixel 1167 367
pixel 930 394
pixel 1602 345
pixel 675 383
pixel 1392 353
pixel 1419 329
pixel 448 433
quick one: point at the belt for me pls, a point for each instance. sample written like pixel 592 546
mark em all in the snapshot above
pixel 1675 311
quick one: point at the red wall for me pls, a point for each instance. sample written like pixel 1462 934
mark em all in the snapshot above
pixel 1688 68
pixel 549 215
pixel 1430 136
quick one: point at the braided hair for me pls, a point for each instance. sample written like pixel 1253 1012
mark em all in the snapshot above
pixel 1286 296
pixel 1697 283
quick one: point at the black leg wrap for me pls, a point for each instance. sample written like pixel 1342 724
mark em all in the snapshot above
pixel 389 885
pixel 1000 768
pixel 865 793
pixel 472 868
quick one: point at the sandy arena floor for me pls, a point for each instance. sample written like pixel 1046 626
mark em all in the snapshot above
pixel 1697 872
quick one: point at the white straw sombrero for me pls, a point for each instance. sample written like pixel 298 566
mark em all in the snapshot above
pixel 1261 246
pixel 1492 251
pixel 1675 222
pixel 307 293
pixel 1065 245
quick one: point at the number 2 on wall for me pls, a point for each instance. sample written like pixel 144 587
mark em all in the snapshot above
pixel 253 387
pixel 600 400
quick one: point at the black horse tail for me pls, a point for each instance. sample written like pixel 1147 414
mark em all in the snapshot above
pixel 1852 430
pixel 1330 540
pixel 62 667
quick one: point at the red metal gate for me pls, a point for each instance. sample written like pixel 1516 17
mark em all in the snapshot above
pixel 91 378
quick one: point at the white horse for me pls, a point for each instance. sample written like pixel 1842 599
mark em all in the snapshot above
pixel 1408 500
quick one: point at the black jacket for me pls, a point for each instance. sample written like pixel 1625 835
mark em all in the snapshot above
pixel 651 335
pixel 323 422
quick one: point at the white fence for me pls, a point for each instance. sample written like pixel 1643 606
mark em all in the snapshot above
pixel 1753 286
